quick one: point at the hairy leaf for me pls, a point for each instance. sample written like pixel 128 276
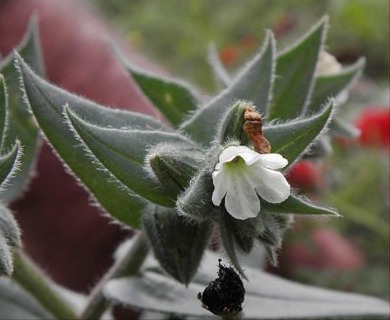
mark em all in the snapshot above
pixel 220 73
pixel 20 123
pixel 9 165
pixel 9 227
pixel 267 296
pixel 293 138
pixel 3 111
pixel 178 243
pixel 16 303
pixel 172 97
pixel 296 205
pixel 294 74
pixel 46 103
pixel 253 84
pixel 123 153
pixel 329 86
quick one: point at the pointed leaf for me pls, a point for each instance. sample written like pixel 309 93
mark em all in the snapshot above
pixel 331 85
pixel 123 153
pixel 9 227
pixel 293 138
pixel 20 123
pixel 3 111
pixel 296 205
pixel 9 165
pixel 16 303
pixel 178 243
pixel 295 70
pixel 46 103
pixel 173 98
pixel 267 296
pixel 229 234
pixel 253 84
pixel 6 262
pixel 221 75
pixel 342 129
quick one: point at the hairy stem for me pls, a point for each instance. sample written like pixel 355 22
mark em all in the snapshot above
pixel 128 264
pixel 31 278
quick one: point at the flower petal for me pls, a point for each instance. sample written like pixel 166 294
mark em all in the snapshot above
pixel 229 153
pixel 272 161
pixel 221 185
pixel 241 200
pixel 270 185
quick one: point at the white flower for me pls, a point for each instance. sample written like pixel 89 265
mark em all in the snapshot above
pixel 242 175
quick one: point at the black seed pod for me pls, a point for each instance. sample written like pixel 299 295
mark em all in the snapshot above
pixel 224 295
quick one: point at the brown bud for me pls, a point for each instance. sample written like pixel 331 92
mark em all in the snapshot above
pixel 253 127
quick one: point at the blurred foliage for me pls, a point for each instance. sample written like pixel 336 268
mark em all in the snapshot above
pixel 177 33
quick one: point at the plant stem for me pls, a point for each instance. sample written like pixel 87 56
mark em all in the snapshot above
pixel 127 265
pixel 31 278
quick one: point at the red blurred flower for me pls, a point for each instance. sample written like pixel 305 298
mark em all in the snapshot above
pixel 374 124
pixel 305 175
pixel 229 55
pixel 326 250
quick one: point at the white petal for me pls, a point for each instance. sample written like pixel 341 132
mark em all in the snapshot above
pixel 272 161
pixel 271 185
pixel 245 153
pixel 241 200
pixel 221 184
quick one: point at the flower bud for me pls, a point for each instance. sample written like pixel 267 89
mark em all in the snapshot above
pixel 231 126
pixel 195 202
pixel 178 243
pixel 174 166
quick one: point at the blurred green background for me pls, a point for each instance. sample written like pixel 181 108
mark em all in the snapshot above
pixel 176 34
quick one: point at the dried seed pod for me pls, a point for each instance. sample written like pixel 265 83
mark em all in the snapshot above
pixel 224 295
pixel 253 127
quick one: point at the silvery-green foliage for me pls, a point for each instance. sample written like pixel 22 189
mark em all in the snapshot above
pixel 20 124
pixel 129 162
pixel 9 167
pixel 146 173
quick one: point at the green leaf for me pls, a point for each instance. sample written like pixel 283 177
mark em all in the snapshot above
pixel 3 111
pixel 9 165
pixel 174 98
pixel 9 237
pixel 230 238
pixel 295 70
pixel 267 296
pixel 6 262
pixel 220 73
pixel 178 243
pixel 9 227
pixel 46 102
pixel 16 303
pixel 253 84
pixel 21 125
pixel 296 205
pixel 293 138
pixel 123 153
pixel 331 85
